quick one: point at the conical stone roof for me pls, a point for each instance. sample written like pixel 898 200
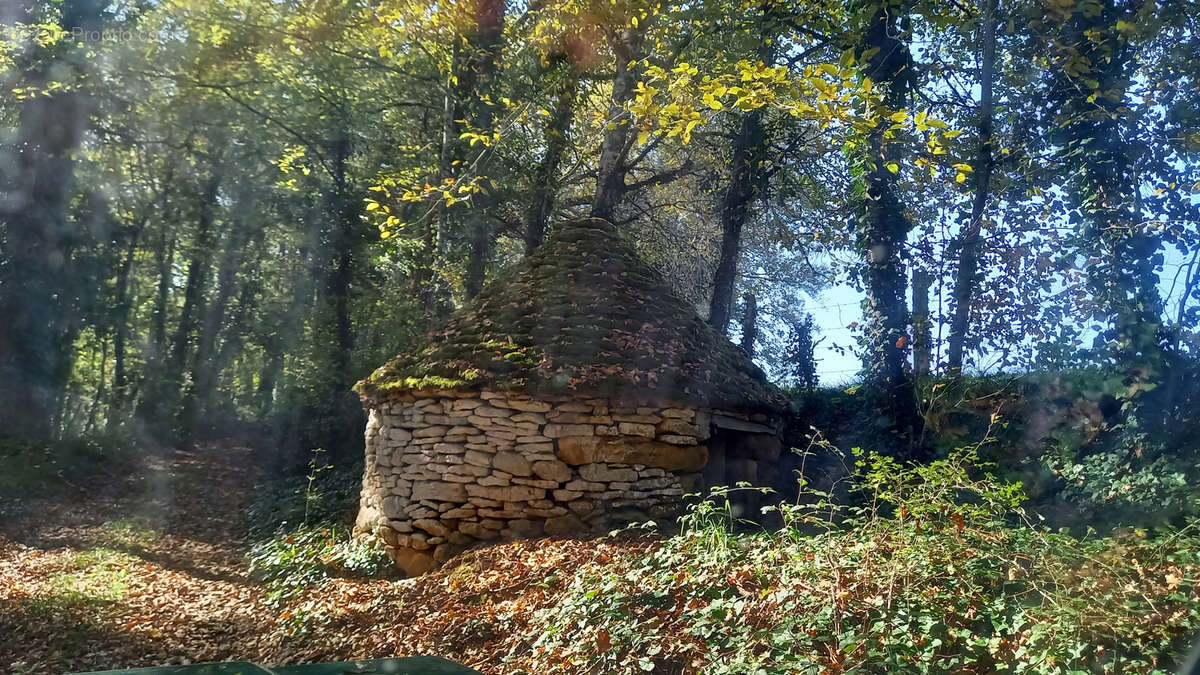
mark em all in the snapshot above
pixel 583 315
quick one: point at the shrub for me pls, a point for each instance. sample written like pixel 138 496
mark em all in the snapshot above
pixel 933 569
pixel 327 494
pixel 30 467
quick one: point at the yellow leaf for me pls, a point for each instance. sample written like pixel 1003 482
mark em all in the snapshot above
pixel 963 167
pixel 960 178
pixel 893 167
pixel 898 116
pixel 372 206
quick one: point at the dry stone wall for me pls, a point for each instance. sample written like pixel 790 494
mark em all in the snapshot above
pixel 445 470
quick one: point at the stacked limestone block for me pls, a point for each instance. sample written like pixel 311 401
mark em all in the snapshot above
pixel 448 469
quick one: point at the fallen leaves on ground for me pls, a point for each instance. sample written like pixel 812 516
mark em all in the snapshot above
pixel 157 575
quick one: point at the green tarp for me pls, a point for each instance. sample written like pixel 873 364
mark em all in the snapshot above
pixel 413 665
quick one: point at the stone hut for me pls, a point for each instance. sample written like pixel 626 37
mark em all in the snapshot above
pixel 573 394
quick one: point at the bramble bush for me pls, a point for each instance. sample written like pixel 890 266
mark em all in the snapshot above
pixel 933 568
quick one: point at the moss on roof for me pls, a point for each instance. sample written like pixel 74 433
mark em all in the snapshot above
pixel 582 315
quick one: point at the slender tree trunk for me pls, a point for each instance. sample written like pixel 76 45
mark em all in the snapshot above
pixel 121 321
pixel 749 324
pixel 284 339
pixel 341 276
pixel 743 186
pixel 922 338
pixel 545 181
pixel 423 286
pixel 193 293
pixel 205 370
pixel 153 385
pixel 614 148
pixel 883 232
pixel 968 256
pixel 101 389
pixel 165 262
pixel 482 65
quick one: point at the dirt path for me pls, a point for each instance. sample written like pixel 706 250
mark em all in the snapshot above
pixel 147 571
pixel 150 569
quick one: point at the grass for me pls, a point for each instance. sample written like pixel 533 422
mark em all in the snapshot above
pixel 82 598
pixel 127 534
pixel 95 575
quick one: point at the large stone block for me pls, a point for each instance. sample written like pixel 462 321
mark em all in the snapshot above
pixel 430 432
pixel 512 463
pixel 526 406
pixel 506 493
pixel 413 562
pixel 602 473
pixel 393 507
pixel 636 429
pixel 573 407
pixel 434 527
pixel 577 418
pixel 678 427
pixel 552 470
pixel 568 430
pixel 439 491
pixel 577 451
pixel 585 486
pixel 489 411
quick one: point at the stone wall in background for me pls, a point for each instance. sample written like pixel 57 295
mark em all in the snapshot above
pixel 445 470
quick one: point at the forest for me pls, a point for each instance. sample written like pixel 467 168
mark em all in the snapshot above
pixel 218 216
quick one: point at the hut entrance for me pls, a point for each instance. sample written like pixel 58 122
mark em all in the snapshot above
pixel 741 451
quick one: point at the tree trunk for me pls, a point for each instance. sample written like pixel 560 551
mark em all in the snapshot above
pixel 121 322
pixel 545 180
pixel 479 81
pixel 283 340
pixel 193 293
pixel 745 178
pixel 341 274
pixel 205 370
pixel 884 230
pixel 614 148
pixel 423 285
pixel 153 380
pixel 749 149
pixel 35 267
pixel 968 256
pixel 749 324
pixel 922 338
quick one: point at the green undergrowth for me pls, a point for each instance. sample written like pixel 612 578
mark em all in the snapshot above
pixel 302 539
pixel 29 468
pixel 933 569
